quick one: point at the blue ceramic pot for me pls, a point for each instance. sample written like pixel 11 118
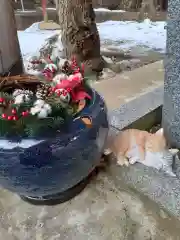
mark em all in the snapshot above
pixel 42 168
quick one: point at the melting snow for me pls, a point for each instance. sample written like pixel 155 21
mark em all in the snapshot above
pixel 125 34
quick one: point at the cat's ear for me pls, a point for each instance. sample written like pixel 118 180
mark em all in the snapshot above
pixel 107 151
pixel 174 151
pixel 160 132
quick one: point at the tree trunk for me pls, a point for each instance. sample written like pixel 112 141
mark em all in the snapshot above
pixel 10 56
pixel 148 7
pixel 80 36
pixel 129 4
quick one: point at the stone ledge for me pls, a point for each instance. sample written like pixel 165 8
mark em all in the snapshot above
pixel 157 186
pixel 140 109
pixel 130 85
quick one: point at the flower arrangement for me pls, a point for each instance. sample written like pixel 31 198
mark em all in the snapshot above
pixel 31 106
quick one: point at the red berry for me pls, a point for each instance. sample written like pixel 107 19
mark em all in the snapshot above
pixel 13 111
pixel 15 118
pixel 10 117
pixel 58 93
pixel 4 115
pixel 1 100
pixel 25 113
pixel 53 89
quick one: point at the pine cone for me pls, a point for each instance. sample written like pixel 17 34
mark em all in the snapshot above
pixel 43 91
pixel 66 68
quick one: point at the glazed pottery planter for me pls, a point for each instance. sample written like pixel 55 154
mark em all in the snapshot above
pixel 42 169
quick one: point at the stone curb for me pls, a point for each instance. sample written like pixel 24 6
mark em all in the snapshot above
pixel 130 112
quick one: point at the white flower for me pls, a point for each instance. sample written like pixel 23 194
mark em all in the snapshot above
pixel 39 102
pixel 41 108
pixel 19 99
pixel 43 113
pixel 35 110
pixel 21 91
pixel 47 107
pixel 59 77
pixel 21 96
pixel 17 92
pixel 28 92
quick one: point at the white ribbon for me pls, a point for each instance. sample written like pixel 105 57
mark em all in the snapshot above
pixel 5 144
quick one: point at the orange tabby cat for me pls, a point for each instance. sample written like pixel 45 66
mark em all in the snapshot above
pixel 133 145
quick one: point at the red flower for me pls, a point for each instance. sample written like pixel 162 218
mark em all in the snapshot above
pixel 74 86
pixel 80 95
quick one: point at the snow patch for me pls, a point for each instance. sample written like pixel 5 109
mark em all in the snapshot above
pixel 33 39
pixel 107 10
pixel 131 33
pixel 122 34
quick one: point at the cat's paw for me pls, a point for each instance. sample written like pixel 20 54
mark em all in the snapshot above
pixel 126 163
pixel 133 160
pixel 121 162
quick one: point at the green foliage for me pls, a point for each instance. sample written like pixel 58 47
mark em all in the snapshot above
pixel 31 125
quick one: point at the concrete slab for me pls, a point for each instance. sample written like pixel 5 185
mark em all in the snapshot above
pixel 102 211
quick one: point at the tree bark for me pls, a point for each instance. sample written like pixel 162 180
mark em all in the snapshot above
pixel 80 36
pixel 10 55
pixel 147 6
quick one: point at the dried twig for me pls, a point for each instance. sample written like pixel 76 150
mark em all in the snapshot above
pixel 18 81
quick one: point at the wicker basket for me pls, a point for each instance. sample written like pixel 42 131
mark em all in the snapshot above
pixel 9 83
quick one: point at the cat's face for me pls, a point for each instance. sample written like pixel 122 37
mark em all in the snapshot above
pixel 156 142
pixel 162 160
pixel 157 155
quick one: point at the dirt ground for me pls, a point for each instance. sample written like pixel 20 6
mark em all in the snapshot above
pixel 122 61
